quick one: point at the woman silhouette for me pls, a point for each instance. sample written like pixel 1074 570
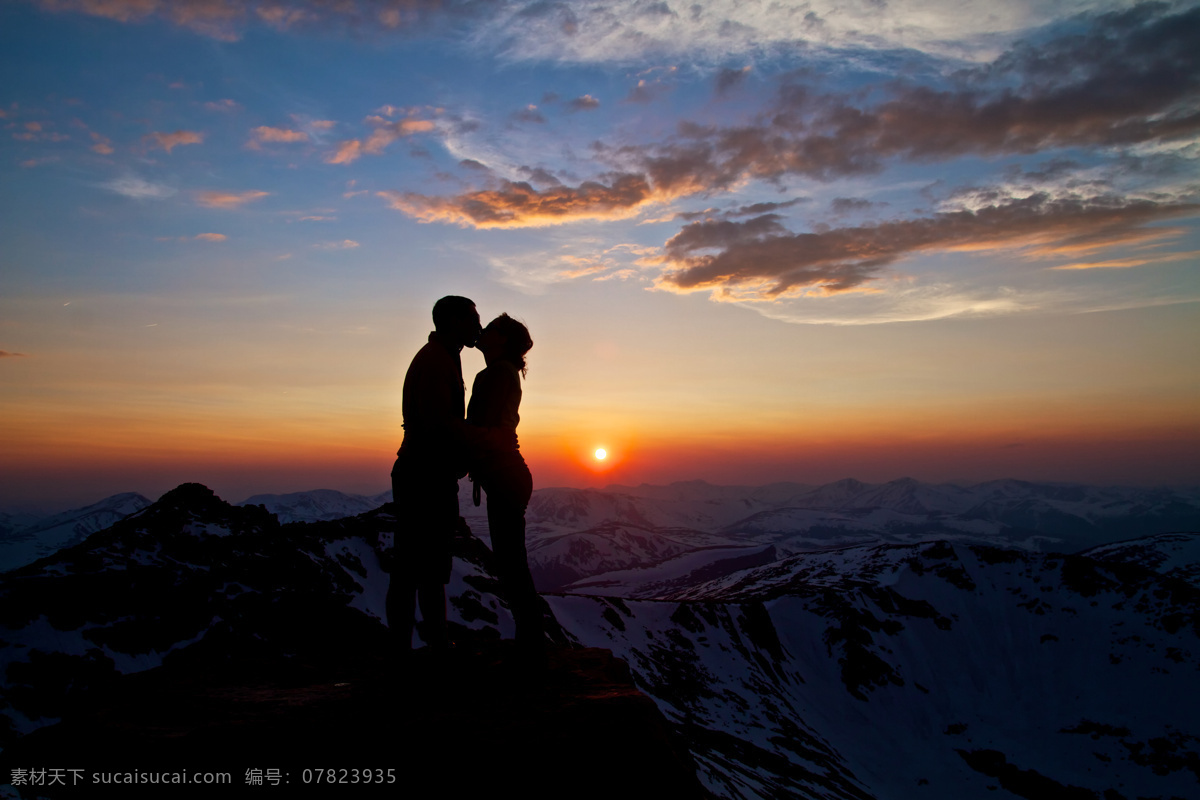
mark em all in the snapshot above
pixel 503 474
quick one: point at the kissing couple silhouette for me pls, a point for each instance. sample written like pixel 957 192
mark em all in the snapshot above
pixel 444 440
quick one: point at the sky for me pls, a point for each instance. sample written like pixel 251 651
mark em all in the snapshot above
pixel 752 241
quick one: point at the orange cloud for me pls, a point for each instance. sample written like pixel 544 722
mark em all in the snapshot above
pixel 347 152
pixel 211 199
pixel 384 134
pixel 267 134
pixel 225 19
pixel 519 205
pixel 215 18
pixel 168 141
pixel 103 145
pixel 211 237
pixel 1136 261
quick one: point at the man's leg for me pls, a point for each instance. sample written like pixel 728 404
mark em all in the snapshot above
pixel 432 597
pixel 401 608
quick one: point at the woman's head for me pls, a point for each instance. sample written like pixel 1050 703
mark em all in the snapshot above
pixel 511 340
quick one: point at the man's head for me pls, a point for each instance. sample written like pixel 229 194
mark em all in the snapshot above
pixel 456 319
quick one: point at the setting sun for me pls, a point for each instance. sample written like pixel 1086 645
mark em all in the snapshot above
pixel 600 454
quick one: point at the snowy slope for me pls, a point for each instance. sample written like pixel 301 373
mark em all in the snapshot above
pixel 39 537
pixel 1175 555
pixel 316 505
pixel 894 669
pixel 923 671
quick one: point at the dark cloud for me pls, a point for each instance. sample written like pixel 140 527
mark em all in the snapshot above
pixel 541 176
pixel 761 256
pixel 647 91
pixel 529 113
pixel 763 208
pixel 847 205
pixel 1132 77
pixel 227 19
pixel 729 78
pixel 584 103
pixel 754 209
pixel 6 354
pixel 472 164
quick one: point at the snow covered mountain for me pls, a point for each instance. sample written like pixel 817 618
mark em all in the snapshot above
pixel 317 505
pixel 1174 555
pixel 926 669
pixel 643 541
pixel 930 670
pixel 192 569
pixel 26 538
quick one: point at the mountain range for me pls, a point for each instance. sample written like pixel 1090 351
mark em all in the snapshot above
pixel 899 640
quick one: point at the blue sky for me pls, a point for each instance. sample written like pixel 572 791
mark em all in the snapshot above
pixel 752 241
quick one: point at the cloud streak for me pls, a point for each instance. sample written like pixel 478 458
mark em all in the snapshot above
pixel 264 134
pixel 516 204
pixel 169 141
pixel 228 200
pixel 759 259
pixel 138 188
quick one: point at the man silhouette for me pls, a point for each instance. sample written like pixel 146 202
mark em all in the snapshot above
pixel 431 459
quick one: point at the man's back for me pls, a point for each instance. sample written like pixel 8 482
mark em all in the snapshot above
pixel 433 404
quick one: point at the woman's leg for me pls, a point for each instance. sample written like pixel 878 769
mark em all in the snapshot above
pixel 506 504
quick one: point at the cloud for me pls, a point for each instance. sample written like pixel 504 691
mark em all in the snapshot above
pixel 169 141
pixel 210 237
pixel 213 199
pixel 529 113
pixel 848 205
pixel 730 78
pixel 138 189
pixel 645 92
pixel 519 204
pixel 223 106
pixel 264 134
pixel 103 145
pixel 1133 261
pixel 384 134
pixel 7 354
pixel 1132 78
pixel 532 272
pixel 760 259
pixel 345 244
pixel 346 153
pixel 36 132
pixel 583 103
pixel 219 19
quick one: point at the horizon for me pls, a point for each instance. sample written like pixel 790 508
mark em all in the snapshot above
pixel 51 509
pixel 751 245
